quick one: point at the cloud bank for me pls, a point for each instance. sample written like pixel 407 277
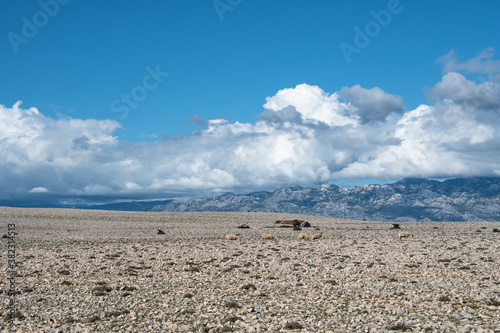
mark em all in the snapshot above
pixel 305 136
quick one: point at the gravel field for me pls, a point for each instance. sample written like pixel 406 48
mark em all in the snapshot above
pixel 105 271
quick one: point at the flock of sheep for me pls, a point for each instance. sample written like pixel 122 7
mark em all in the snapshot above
pixel 404 235
pixel 271 237
pixel 313 237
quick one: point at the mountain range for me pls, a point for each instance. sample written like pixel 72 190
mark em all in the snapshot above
pixel 410 199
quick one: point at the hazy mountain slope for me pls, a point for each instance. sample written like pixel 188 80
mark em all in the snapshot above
pixel 463 199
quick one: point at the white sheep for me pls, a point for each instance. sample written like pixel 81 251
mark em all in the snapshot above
pixel 405 235
pixel 232 237
pixel 303 236
pixel 267 236
pixel 316 236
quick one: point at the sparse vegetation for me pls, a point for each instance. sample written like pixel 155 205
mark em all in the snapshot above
pixel 493 302
pixel 196 276
pixel 233 319
pixel 293 325
pixel 116 313
pixel 232 305
pixel 249 286
pixel 93 319
pixel 17 315
pixel 443 298
pixel 101 290
pixel 399 327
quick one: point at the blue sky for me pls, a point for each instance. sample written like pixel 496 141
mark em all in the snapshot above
pixel 202 69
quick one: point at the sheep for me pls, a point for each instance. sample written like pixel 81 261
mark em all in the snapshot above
pixel 267 236
pixel 303 236
pixel 232 237
pixel 316 236
pixel 405 235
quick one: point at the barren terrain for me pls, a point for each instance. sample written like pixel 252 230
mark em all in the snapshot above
pixel 102 271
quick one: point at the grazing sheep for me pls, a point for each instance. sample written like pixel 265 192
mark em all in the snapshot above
pixel 267 236
pixel 232 237
pixel 316 236
pixel 303 236
pixel 405 235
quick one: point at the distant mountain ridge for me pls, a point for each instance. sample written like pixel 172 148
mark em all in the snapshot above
pixel 410 199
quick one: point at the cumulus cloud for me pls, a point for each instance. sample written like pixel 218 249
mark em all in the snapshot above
pixel 372 104
pixel 444 140
pixel 304 136
pixel 455 87
pixel 313 104
pixel 286 115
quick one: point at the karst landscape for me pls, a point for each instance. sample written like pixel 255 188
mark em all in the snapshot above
pixel 97 271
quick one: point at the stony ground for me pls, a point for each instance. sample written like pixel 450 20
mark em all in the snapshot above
pixel 92 271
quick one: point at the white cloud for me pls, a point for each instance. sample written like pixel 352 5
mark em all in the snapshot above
pixel 372 104
pixel 305 136
pixel 38 190
pixel 37 151
pixel 443 140
pixel 313 104
pixel 455 87
pixel 286 115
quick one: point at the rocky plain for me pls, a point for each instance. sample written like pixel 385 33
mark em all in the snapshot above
pixel 110 271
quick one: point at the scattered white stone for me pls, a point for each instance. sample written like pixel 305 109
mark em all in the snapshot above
pixel 355 279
